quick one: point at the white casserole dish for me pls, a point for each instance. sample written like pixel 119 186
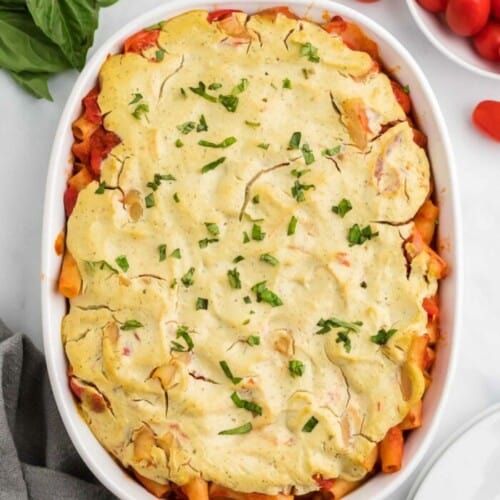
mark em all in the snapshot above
pixel 430 120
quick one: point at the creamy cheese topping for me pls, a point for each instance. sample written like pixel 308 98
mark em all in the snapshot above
pixel 180 237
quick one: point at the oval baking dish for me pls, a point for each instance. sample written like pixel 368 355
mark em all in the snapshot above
pixel 431 122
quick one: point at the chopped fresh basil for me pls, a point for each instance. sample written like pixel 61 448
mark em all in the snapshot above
pixel 246 321
pixel 229 374
pixel 294 142
pixel 230 102
pixel 202 124
pixel 242 429
pixel 331 151
pixel 162 251
pixel 292 225
pixel 241 87
pixel 173 283
pixel 152 185
pixel 266 257
pixel 256 199
pixel 253 340
pixel 247 405
pixel 101 188
pixel 383 336
pixel 363 284
pixel 252 124
pixel 183 92
pixel 101 265
pixel 342 208
pixel 257 233
pixel 131 324
pixel 247 300
pixel 287 84
pixel 201 91
pixel 228 141
pixel 188 280
pixel 233 276
pixel 136 99
pixel 122 263
pixel 298 190
pixel 160 54
pixel 296 368
pixel 163 177
pixel 214 86
pixel 182 332
pixel 212 165
pixel 310 52
pixel 246 238
pixel 205 242
pixel 212 228
pixel 186 127
pixel 140 110
pixel 300 173
pixel 201 304
pixel 343 338
pixel 310 424
pixel 176 198
pixel 358 235
pixel 307 72
pixel 150 200
pixel 406 89
pixel 307 154
pixel 176 254
pixel 263 294
pixel 327 325
pixel 238 258
pixel 179 143
pixel 263 145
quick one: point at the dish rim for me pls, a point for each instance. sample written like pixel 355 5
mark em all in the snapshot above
pixel 417 17
pixel 53 205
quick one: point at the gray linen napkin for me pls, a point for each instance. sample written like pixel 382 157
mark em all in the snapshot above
pixel 37 459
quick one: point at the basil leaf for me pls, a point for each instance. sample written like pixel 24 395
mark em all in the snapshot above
pixel 228 373
pixel 253 340
pixel 382 336
pixel 265 295
pixel 342 208
pixel 188 278
pixel 233 276
pixel 246 405
pixel 296 368
pixel 122 263
pixel 228 141
pixel 201 304
pixel 131 324
pixel 266 257
pixel 68 23
pixel 34 83
pixel 212 165
pixel 292 225
pixel 310 424
pixel 242 429
pixel 230 102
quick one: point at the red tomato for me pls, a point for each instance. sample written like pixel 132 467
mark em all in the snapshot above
pixel 92 112
pixel 101 143
pixel 430 306
pixel 467 17
pixel 434 5
pixel 401 96
pixel 495 9
pixel 487 41
pixel 141 41
pixel 486 117
pixel 218 15
pixel 70 197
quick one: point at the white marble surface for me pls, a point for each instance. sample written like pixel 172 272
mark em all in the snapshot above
pixel 27 127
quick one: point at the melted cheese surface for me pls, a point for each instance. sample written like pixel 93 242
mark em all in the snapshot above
pixel 356 395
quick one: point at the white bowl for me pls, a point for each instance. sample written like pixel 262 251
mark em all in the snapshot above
pixel 54 305
pixel 457 48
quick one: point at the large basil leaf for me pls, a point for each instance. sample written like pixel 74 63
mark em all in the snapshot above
pixel 34 83
pixel 23 47
pixel 68 23
pixel 104 3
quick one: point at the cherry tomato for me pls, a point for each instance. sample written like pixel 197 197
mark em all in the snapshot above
pixel 467 17
pixel 495 9
pixel 487 41
pixel 486 117
pixel 433 5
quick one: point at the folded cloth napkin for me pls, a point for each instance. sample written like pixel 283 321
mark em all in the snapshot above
pixel 37 458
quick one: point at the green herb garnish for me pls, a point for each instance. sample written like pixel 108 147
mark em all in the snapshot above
pixel 212 165
pixel 201 304
pixel 292 225
pixel 140 110
pixel 310 52
pixel 201 91
pixel 263 145
pixel 228 141
pixel 101 265
pixel 307 154
pixel 202 124
pixel 188 280
pixel 342 208
pixel 310 424
pixel 179 143
pixel 206 241
pixel 266 257
pixel 233 276
pixel 252 124
pixel 176 254
pixel 176 198
pixel 186 127
pixel 253 340
pixel 406 89
pixel 343 338
pixel 357 236
pixel 298 190
pixel 230 102
pixel 256 199
pixel 241 87
pixel 238 258
pixel 246 238
pixel 383 336
pixel 294 142
pixel 228 373
pixel 287 84
pixel 247 300
pixel 136 99
pixel 214 86
pixel 162 251
pixel 263 294
pixel 160 54
pixel 247 405
pixel 122 263
pixel 212 228
pixel 257 233
pixel 150 200
pixel 131 324
pixel 101 188
pixel 182 332
pixel 331 151
pixel 242 429
pixel 296 368
pixel 327 325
